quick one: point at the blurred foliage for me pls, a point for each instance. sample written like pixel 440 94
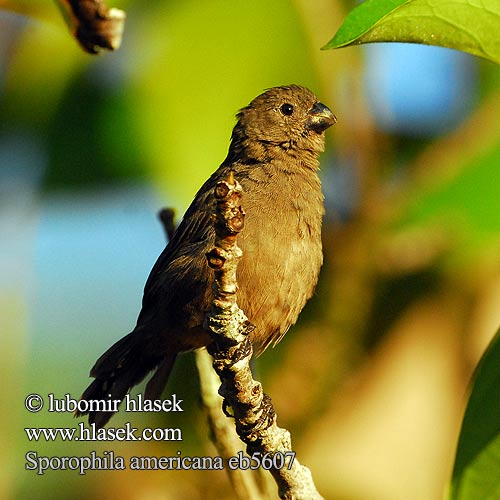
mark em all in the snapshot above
pixel 184 91
pixel 32 8
pixel 371 383
pixel 457 193
pixel 99 153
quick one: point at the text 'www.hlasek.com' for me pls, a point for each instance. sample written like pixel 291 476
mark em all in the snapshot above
pixel 109 460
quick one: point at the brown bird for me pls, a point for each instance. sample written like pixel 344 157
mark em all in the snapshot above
pixel 273 153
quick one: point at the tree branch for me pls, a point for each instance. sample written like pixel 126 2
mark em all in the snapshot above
pixel 95 26
pixel 244 399
pixel 222 433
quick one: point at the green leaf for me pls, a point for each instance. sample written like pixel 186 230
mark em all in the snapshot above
pixel 476 473
pixel 468 25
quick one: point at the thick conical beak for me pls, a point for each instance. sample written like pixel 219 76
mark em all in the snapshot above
pixel 320 117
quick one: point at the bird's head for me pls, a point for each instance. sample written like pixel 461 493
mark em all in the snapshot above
pixel 282 121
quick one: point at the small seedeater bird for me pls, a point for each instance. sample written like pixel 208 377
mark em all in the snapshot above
pixel 273 153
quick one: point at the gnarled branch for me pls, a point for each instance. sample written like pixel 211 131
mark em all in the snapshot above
pixel 244 399
pixel 222 431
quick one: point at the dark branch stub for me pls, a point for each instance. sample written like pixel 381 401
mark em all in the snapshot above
pixel 167 218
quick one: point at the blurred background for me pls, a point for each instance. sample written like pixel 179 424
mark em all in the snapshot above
pixel 372 381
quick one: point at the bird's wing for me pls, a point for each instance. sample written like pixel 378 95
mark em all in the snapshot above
pixel 195 232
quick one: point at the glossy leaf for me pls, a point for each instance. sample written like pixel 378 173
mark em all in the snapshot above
pixel 468 25
pixel 476 471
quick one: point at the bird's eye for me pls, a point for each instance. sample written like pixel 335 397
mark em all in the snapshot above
pixel 287 109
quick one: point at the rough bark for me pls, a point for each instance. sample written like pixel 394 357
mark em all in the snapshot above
pixel 244 399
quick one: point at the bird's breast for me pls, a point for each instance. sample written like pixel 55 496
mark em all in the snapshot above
pixel 282 253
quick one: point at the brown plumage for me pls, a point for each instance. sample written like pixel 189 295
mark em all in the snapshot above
pixel 274 155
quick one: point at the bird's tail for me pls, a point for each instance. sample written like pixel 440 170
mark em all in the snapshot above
pixel 121 367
